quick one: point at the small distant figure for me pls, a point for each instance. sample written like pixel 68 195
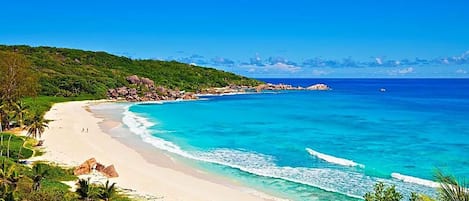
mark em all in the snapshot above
pixel 87 130
pixel 382 90
pixel 83 130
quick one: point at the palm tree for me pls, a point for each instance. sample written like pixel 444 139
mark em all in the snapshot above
pixel 20 110
pixel 37 126
pixel 38 174
pixel 9 178
pixel 108 191
pixel 8 145
pixel 87 191
pixel 20 155
pixel 450 189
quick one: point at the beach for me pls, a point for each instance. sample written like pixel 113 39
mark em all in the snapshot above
pixel 75 135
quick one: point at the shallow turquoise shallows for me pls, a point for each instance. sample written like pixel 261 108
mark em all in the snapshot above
pixel 321 145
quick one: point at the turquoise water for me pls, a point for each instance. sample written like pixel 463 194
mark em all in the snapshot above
pixel 412 129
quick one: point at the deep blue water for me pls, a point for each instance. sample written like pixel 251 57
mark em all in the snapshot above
pixel 413 128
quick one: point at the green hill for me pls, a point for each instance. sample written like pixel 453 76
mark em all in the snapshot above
pixel 71 72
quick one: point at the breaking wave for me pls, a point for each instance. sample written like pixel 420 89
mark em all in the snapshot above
pixel 415 180
pixel 333 159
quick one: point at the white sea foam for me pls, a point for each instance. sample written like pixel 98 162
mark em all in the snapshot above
pixel 415 180
pixel 333 159
pixel 351 183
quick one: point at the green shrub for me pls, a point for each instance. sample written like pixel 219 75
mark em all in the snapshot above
pixel 383 193
pixel 48 195
pixel 54 173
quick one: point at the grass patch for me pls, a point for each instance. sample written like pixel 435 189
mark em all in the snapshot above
pixel 54 185
pixel 16 143
pixel 42 104
pixel 55 172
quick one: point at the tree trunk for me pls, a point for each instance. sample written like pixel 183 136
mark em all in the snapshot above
pixel 1 137
pixel 20 120
pixel 1 145
pixel 21 148
pixel 8 146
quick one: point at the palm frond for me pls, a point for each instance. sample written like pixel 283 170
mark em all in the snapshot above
pixel 451 189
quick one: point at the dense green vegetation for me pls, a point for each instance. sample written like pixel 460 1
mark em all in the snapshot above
pixel 70 72
pixel 11 147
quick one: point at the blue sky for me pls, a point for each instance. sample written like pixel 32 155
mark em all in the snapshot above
pixel 294 38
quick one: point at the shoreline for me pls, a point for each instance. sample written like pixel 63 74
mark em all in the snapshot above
pixel 148 172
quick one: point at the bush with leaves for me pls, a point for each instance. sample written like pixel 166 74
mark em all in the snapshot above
pixel 383 193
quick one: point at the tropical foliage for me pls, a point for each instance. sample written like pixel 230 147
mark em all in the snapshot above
pixel 383 193
pixel 17 147
pixel 451 189
pixel 17 79
pixel 37 126
pixel 70 72
pixel 92 192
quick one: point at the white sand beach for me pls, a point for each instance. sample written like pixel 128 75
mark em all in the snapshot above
pixel 65 143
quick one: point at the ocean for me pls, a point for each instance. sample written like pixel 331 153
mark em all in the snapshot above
pixel 320 145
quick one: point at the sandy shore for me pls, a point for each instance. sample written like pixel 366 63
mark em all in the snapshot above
pixel 65 143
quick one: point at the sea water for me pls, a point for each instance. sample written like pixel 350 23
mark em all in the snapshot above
pixel 321 145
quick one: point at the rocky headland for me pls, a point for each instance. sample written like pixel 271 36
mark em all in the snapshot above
pixel 144 89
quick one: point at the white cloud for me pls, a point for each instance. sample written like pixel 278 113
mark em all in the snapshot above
pixel 461 71
pixel 402 71
pixel 274 69
pixel 445 61
pixel 379 61
pixel 285 67
pixel 320 72
pixel 406 70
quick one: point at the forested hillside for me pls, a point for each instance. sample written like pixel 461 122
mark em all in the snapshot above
pixel 72 72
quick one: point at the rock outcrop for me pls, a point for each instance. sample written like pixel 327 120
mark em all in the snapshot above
pixel 110 172
pixel 91 164
pixel 144 89
pixel 85 167
pixel 318 87
pixel 260 88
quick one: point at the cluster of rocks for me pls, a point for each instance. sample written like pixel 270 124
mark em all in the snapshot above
pixel 227 89
pixel 91 164
pixel 321 87
pixel 270 86
pixel 144 89
pixel 263 87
